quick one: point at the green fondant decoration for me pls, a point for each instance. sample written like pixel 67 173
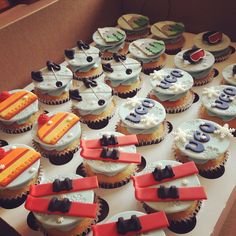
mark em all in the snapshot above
pixel 114 37
pixel 139 22
pixel 155 47
pixel 173 29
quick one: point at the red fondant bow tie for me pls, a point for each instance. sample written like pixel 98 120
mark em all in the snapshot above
pixel 111 155
pixel 146 224
pixel 179 171
pixel 110 141
pixel 76 185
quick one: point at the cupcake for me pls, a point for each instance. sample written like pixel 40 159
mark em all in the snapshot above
pixel 198 63
pixel 123 76
pixel 215 42
pixel 135 26
pixel 112 164
pixel 143 117
pixel 172 88
pixel 171 33
pixel 18 111
pixel 204 142
pixel 149 52
pixel 229 75
pixel 93 103
pixel 133 223
pixel 64 205
pixel 174 188
pixel 19 168
pixel 84 61
pixel 51 84
pixel 110 40
pixel 219 105
pixel 57 136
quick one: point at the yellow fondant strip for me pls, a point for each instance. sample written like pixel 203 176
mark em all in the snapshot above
pixel 10 173
pixel 15 104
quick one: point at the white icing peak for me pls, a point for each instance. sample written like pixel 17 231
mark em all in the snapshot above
pixel 181 136
pixel 149 119
pixel 132 102
pixel 211 92
pixel 158 75
pixel 60 220
pixel 178 87
pixel 224 131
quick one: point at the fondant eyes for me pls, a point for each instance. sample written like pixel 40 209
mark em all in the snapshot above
pixel 2 153
pixel 69 53
pixel 52 66
pixel 43 119
pixel 4 95
pixel 37 76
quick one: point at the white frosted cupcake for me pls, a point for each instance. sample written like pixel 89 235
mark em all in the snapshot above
pixel 229 75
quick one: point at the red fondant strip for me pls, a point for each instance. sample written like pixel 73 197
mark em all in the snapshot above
pixel 122 141
pixel 180 171
pixel 149 223
pixel 185 194
pixel 77 209
pixel 77 184
pixel 126 157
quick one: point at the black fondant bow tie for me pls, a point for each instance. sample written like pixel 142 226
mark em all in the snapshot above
pixel 110 153
pixel 125 226
pixel 108 140
pixel 37 76
pixel 74 95
pixel 82 45
pixel 62 185
pixel 107 67
pixel 59 205
pixel 52 65
pixel 160 174
pixel 163 192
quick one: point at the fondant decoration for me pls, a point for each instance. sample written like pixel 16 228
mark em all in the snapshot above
pixel 75 95
pixel 167 174
pixel 149 120
pixel 70 53
pixel 181 136
pixel 111 155
pixel 56 127
pixel 120 58
pixel 37 76
pixel 211 92
pixel 107 67
pixel 111 35
pixel 212 37
pixel 194 55
pixel 84 46
pixel 88 83
pixel 224 131
pixel 109 141
pixel 14 162
pixel 4 95
pixel 43 119
pixel 135 21
pixel 134 226
pixel 74 185
pixel 52 66
pixel 60 207
pixel 15 103
pixel 163 194
pixel 172 29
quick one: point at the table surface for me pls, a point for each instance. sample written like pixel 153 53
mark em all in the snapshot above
pixel 219 190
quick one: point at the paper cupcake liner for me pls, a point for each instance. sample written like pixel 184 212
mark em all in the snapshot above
pixel 200 82
pixel 172 51
pixel 54 102
pixel 129 94
pixel 16 201
pixel 60 158
pixel 225 56
pixel 151 70
pixel 91 77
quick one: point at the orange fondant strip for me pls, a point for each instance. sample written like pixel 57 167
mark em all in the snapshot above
pixel 60 125
pixel 16 168
pixel 15 104
pixel 12 156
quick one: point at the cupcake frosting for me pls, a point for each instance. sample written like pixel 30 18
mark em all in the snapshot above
pixel 220 101
pixel 61 222
pixel 120 75
pixel 80 61
pixel 141 115
pixel 18 106
pixel 105 167
pixel 229 75
pixel 202 140
pixel 170 84
pixel 146 50
pixel 109 39
pixel 188 181
pixel 91 97
pixel 58 131
pixel 48 85
pixel 27 174
pixel 204 64
pixel 127 215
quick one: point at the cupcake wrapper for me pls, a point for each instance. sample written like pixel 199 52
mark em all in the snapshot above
pixel 10 203
pixel 53 102
pixel 151 70
pixel 129 94
pixel 59 159
pixel 20 130
pixel 205 81
pixel 93 77
pixel 172 51
pixel 225 56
